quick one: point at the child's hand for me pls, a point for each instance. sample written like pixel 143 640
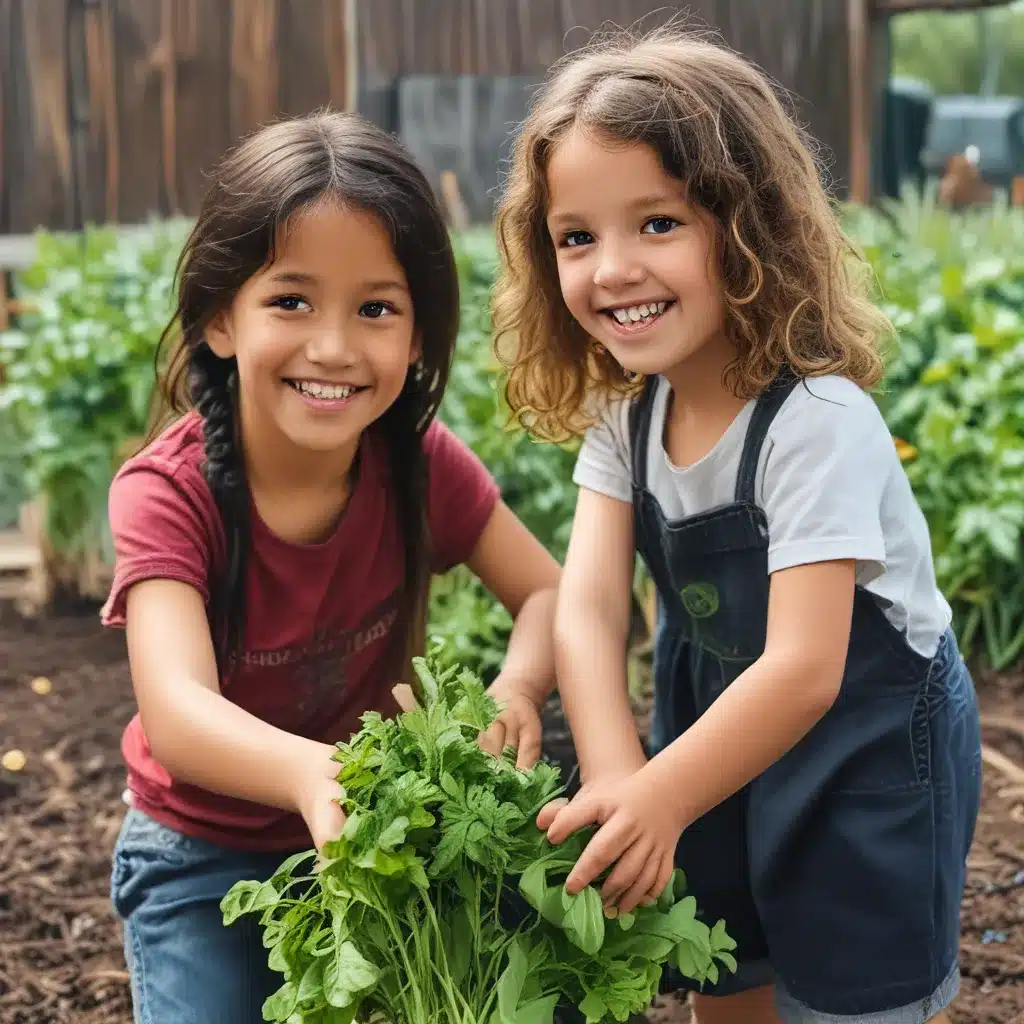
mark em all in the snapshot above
pixel 319 804
pixel 518 723
pixel 637 830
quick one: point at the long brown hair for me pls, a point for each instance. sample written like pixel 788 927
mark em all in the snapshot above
pixel 794 291
pixel 274 174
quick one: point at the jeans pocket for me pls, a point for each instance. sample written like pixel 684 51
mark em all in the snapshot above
pixel 147 854
pixel 141 834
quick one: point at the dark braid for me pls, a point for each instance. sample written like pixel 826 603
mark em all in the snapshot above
pixel 213 383
pixel 402 427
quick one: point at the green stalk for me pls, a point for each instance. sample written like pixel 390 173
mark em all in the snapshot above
pixel 444 977
pixel 410 974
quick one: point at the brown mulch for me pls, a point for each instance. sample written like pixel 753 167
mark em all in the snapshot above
pixel 60 945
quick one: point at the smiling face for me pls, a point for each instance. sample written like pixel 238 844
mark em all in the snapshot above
pixel 323 337
pixel 635 260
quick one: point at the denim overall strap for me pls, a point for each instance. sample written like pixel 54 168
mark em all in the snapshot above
pixel 639 430
pixel 768 405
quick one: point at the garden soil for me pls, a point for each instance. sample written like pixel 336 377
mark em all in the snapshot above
pixel 60 945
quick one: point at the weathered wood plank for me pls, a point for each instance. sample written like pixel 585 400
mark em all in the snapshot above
pixel 137 56
pixel 202 42
pixel 17 552
pixel 254 64
pixel 904 6
pixel 37 155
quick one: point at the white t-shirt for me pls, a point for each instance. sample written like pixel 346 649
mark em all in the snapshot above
pixel 828 478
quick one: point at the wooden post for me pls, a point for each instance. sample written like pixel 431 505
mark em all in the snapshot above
pixel 351 15
pixel 858 26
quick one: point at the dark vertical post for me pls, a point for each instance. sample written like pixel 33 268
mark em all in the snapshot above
pixel 858 17
pixel 78 106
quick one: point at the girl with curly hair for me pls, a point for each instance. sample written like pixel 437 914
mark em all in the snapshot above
pixel 676 287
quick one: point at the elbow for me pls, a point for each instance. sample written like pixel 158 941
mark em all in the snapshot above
pixel 820 681
pixel 161 744
pixel 540 598
pixel 160 723
pixel 823 695
pixel 581 614
pixel 814 683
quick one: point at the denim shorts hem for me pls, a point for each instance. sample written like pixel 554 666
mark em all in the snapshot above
pixel 792 1011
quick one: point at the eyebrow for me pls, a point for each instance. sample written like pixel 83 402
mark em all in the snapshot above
pixel 293 277
pixel 655 199
pixel 641 203
pixel 301 277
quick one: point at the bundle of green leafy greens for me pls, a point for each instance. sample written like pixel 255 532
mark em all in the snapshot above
pixel 443 903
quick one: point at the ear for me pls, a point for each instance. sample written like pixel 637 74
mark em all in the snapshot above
pixel 220 336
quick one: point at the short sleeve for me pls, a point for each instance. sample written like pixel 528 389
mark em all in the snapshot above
pixel 603 463
pixel 161 526
pixel 824 481
pixel 462 496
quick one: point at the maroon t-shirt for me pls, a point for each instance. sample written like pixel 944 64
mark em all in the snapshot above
pixel 318 616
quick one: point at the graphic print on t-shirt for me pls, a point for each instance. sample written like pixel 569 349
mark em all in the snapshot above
pixel 307 687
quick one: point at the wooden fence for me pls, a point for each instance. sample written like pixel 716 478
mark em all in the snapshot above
pixel 113 110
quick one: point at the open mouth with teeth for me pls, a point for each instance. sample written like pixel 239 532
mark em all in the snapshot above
pixel 324 392
pixel 632 318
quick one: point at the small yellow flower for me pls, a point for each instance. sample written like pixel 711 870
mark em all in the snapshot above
pixel 41 685
pixel 13 760
pixel 905 451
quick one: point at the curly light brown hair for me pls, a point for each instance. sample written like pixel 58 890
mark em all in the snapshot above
pixel 796 291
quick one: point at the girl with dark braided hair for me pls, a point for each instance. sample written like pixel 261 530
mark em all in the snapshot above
pixel 275 541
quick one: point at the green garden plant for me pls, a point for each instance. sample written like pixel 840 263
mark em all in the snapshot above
pixel 443 903
pixel 80 384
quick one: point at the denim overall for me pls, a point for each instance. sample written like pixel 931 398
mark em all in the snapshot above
pixel 840 870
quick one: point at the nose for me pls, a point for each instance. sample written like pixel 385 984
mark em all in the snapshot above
pixel 617 265
pixel 331 345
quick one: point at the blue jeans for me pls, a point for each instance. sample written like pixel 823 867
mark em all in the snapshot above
pixel 186 967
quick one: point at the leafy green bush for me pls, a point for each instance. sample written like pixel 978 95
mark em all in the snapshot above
pixel 953 285
pixel 12 469
pixel 81 375
pixel 80 370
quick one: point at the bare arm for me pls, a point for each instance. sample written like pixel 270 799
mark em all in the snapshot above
pixel 775 702
pixel 197 734
pixel 591 632
pixel 520 572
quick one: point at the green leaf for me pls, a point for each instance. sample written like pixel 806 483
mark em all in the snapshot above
pixel 584 921
pixel 347 975
pixel 394 834
pixel 312 984
pixel 247 898
pixel 537 1011
pixel 593 1008
pixel 510 984
pixel 720 938
pixel 282 1003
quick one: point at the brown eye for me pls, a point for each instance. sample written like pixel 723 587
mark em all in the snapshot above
pixel 577 238
pixel 289 303
pixel 661 225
